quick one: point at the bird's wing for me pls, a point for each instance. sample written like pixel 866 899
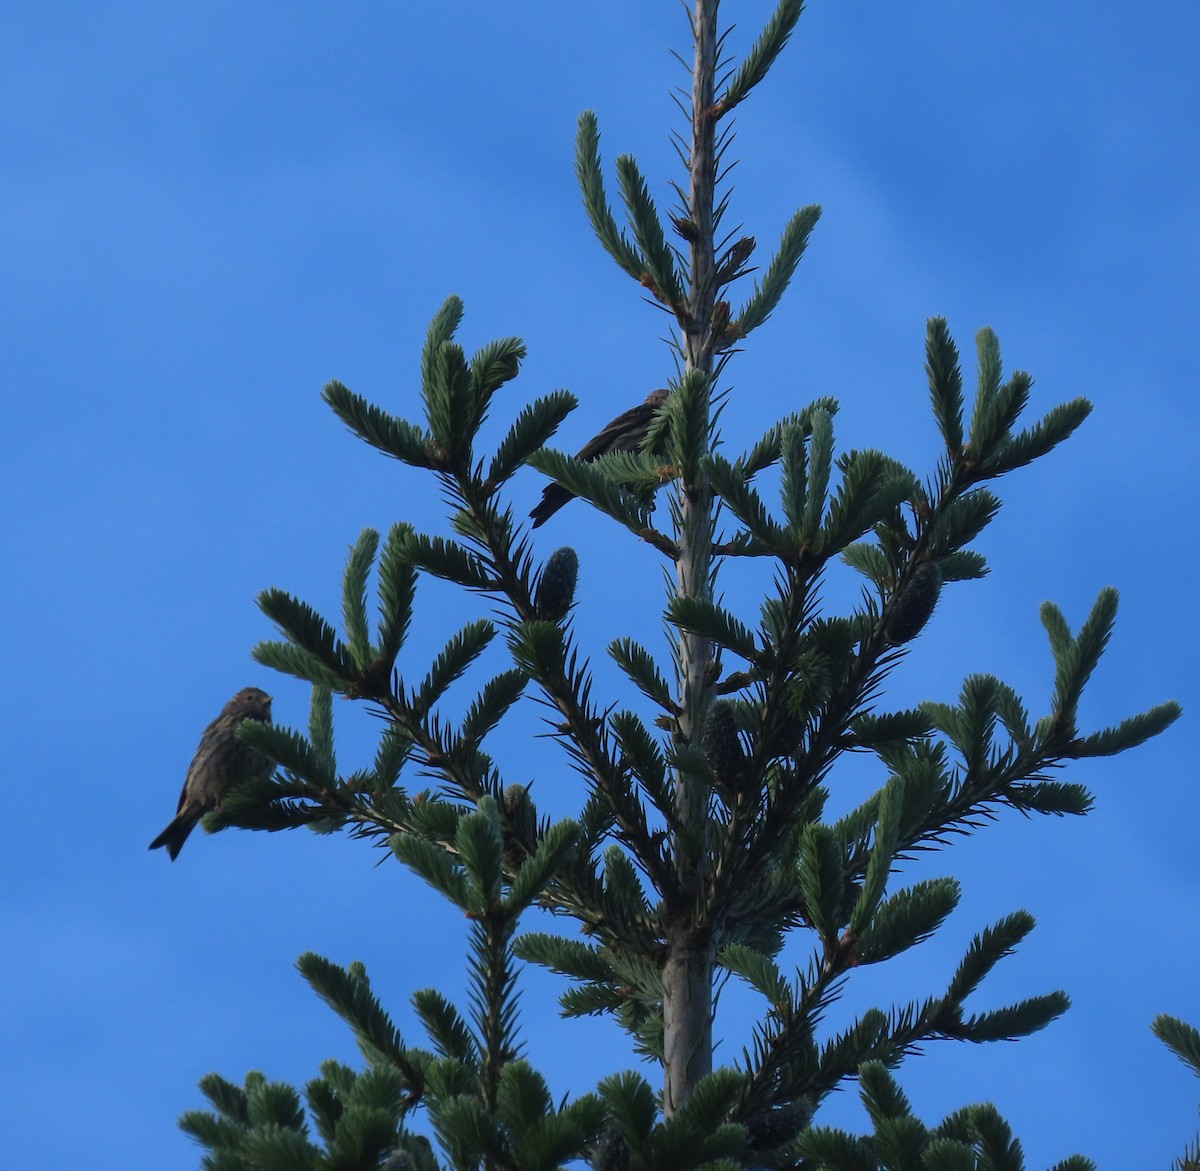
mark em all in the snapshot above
pixel 205 742
pixel 624 433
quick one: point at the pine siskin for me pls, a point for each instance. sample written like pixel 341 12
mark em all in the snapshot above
pixel 624 433
pixel 221 762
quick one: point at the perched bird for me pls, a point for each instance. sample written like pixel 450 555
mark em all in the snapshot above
pixel 221 762
pixel 624 433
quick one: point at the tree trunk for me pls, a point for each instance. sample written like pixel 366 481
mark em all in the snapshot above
pixel 688 970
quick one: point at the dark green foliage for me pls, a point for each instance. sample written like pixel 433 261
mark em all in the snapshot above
pixel 482 1100
pixel 263 1126
pixel 456 656
pixel 767 450
pixel 1184 1041
pixel 293 752
pixel 816 488
pixel 568 957
pixel 637 472
pixel 292 659
pixel 1181 1038
pixel 392 436
pixel 889 808
pixel 647 230
pixel 637 663
pixel 996 405
pixel 872 731
pixel 986 950
pixel 974 1138
pixel 992 449
pixel 872 485
pixel 744 502
pixel 759 971
pixel 688 1138
pixel 822 878
pixel 762 56
pixel 448 560
pixel 308 632
pixel 491 705
pixel 795 478
pixel 397 590
pixel 681 431
pixel 945 383
pixel 1059 424
pixel 642 757
pixel 591 181
pixel 449 403
pixel 780 271
pixel 1128 733
pixel 315 652
pixel 962 521
pixel 554 849
pixel 1017 1020
pixel 965 565
pixel 1076 658
pixel 442 329
pixel 1050 797
pixel 308 792
pixel 492 366
pixel 348 992
pixel 533 428
pixel 354 598
pixel 711 621
pixel 556 587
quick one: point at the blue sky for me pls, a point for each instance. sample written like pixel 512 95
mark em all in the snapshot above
pixel 207 211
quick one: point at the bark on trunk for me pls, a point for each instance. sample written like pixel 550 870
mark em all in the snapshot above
pixel 688 970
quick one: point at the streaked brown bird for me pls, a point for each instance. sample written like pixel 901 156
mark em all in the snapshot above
pixel 624 433
pixel 221 762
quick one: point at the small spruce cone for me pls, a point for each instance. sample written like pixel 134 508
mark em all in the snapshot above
pixel 722 746
pixel 734 259
pixel 686 228
pixel 556 588
pixel 723 331
pixel 773 1128
pixel 912 607
pixel 720 318
pixel 612 1152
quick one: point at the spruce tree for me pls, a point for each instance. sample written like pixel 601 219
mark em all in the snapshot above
pixel 700 846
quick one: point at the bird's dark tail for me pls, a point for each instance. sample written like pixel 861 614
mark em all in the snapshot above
pixel 175 835
pixel 554 496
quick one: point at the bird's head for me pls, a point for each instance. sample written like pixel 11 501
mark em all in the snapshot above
pixel 251 703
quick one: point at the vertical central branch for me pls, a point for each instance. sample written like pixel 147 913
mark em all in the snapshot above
pixel 688 969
